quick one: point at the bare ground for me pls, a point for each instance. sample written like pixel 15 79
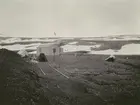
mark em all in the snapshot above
pixel 93 81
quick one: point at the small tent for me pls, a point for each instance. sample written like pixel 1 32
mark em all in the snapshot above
pixel 23 53
pixel 111 58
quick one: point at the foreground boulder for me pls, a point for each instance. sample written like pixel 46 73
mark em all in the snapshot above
pixel 19 82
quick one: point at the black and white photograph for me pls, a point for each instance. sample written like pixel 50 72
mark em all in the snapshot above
pixel 69 52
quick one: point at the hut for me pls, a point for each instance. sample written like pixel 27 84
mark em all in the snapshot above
pixel 49 49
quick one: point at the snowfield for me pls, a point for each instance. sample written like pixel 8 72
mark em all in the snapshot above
pixel 11 40
pixel 103 52
pixel 73 48
pixel 71 43
pixel 17 47
pixel 67 38
pixel 129 49
pixel 14 40
pixel 33 52
pixel 122 38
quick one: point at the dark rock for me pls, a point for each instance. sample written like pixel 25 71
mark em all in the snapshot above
pixel 19 82
pixel 42 58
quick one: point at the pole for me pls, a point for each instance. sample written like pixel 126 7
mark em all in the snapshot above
pixel 54 50
pixel 54 57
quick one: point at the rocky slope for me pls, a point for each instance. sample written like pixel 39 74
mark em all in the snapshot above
pixel 19 82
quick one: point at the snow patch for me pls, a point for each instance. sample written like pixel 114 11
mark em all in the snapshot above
pixel 104 52
pixel 71 43
pixel 33 52
pixel 66 38
pixel 130 49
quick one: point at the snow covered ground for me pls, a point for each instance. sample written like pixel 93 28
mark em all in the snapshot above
pixel 128 49
pixel 115 38
pixel 73 48
pixel 13 40
pixel 67 38
pixel 17 47
pixel 71 43
pixel 107 39
pixel 33 52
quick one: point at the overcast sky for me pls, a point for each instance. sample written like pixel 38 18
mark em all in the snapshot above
pixel 69 17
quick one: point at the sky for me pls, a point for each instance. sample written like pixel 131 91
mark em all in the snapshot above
pixel 69 18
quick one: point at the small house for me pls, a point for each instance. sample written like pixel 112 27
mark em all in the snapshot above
pixel 49 49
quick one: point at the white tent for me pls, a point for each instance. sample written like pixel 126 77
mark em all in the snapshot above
pixel 23 53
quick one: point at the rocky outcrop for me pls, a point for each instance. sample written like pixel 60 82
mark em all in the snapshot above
pixel 19 82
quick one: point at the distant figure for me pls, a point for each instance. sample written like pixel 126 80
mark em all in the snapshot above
pixel 111 58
